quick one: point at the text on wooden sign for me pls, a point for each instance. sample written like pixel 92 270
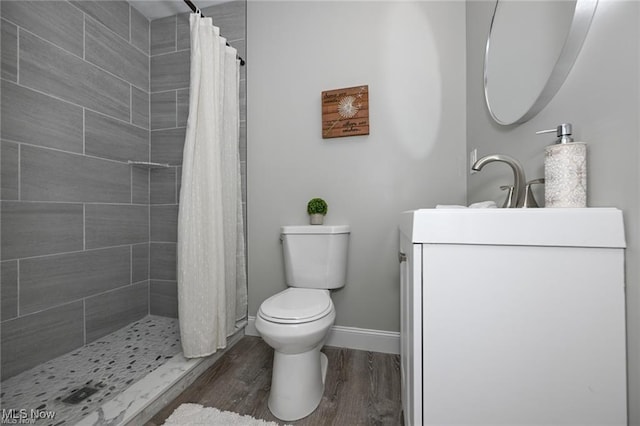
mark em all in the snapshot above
pixel 345 112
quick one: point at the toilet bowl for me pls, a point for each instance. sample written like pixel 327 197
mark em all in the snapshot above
pixel 296 321
pixel 296 335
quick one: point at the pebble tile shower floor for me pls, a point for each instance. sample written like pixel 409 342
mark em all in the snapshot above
pixel 110 365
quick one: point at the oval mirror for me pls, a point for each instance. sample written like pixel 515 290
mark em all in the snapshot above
pixel 531 48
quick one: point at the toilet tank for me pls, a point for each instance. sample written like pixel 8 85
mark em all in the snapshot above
pixel 315 256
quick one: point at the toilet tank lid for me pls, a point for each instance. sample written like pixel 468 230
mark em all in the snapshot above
pixel 316 229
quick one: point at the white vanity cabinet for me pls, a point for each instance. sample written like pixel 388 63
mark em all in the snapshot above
pixel 513 317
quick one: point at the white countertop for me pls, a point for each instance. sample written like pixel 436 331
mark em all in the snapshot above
pixel 587 227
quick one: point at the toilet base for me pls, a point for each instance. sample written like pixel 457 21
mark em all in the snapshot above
pixel 297 383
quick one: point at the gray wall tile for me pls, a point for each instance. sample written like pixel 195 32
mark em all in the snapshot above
pixel 243 100
pixel 244 214
pixel 183 107
pixel 109 225
pixel 112 53
pixel 37 119
pixel 139 107
pixel 34 229
pixel 178 183
pixel 56 21
pixel 243 141
pixel 9 49
pixel 167 145
pixel 230 17
pixel 163 186
pixel 163 110
pixel 52 70
pixel 9 289
pixel 164 298
pixel 241 47
pixel 170 71
pixel 140 266
pixel 184 31
pixel 243 184
pixel 108 312
pixel 163 35
pixel 33 339
pixel 139 185
pixel 47 175
pixel 163 261
pixel 243 174
pixel 59 176
pixel 8 171
pixel 53 280
pixel 46 111
pixel 139 30
pixel 109 138
pixel 113 14
pixel 164 223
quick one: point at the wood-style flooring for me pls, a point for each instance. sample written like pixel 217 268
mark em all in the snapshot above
pixel 362 388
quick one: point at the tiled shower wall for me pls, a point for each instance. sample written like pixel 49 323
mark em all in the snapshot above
pixel 75 218
pixel 169 109
pixel 74 214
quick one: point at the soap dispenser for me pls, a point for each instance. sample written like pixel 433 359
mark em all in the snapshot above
pixel 565 170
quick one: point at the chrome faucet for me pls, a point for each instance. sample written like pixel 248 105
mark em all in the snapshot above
pixel 518 175
pixel 508 202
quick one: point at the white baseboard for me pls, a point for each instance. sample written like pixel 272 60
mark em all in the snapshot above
pixel 352 338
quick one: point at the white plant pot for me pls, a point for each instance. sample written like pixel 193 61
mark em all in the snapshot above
pixel 316 219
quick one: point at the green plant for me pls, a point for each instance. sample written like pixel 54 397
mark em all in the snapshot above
pixel 317 206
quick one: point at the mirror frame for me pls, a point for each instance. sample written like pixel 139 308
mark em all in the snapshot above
pixel 582 17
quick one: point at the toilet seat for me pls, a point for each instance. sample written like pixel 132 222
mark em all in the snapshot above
pixel 296 305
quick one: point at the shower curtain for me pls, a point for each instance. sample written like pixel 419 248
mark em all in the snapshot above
pixel 212 283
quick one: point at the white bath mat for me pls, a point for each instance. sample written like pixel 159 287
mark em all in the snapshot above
pixel 196 414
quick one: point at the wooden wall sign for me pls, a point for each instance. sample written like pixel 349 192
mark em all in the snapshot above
pixel 345 112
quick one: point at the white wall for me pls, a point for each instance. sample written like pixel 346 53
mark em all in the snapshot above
pixel 601 98
pixel 412 56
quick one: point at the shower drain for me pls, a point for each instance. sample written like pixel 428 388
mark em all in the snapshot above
pixel 80 395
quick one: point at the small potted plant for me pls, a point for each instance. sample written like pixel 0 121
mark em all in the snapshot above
pixel 317 208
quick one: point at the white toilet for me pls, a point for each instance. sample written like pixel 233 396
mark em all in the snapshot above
pixel 296 321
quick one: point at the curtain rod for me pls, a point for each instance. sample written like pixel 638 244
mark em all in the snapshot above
pixel 197 10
